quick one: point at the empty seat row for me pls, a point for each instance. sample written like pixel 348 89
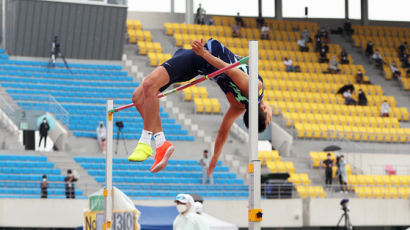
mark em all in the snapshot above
pixel 131 173
pixel 13 177
pixel 60 65
pixel 146 166
pixel 24 71
pixel 25 164
pixel 126 161
pixel 383 192
pixel 30 191
pixel 20 170
pixel 32 86
pixel 131 136
pixel 68 82
pixel 266 156
pixel 166 180
pixel 181 187
pixel 380 180
pixel 23 158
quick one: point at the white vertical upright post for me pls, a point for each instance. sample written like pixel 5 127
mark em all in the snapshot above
pixel 3 26
pixel 108 202
pixel 254 212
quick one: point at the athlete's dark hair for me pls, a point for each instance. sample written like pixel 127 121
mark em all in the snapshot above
pixel 261 119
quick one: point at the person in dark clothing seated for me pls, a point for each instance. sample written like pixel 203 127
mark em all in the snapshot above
pixel 318 44
pixel 402 49
pixel 343 57
pixel 362 98
pixel 359 77
pixel 260 21
pixel 347 26
pixel 369 49
pixel 378 59
pixel 239 20
pixel 405 61
pixel 323 56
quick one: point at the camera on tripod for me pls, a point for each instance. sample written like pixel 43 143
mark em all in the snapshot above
pixel 343 203
pixel 119 124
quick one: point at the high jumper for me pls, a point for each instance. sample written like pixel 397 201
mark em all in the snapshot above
pixel 204 58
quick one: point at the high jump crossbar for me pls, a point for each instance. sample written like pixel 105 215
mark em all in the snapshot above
pixel 182 87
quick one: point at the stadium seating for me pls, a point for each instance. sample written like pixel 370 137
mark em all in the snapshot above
pixel 21 175
pixel 82 94
pixel 179 176
pixel 301 181
pixel 386 40
pixel 307 100
pixel 203 104
pixel 369 186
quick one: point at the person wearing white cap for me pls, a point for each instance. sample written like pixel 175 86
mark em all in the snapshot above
pixel 187 218
pixel 101 136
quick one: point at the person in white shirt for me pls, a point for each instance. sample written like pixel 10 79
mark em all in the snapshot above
pixel 204 162
pixel 378 59
pixel 333 66
pixel 385 109
pixel 395 71
pixel 101 136
pixel 348 98
pixel 302 45
pixel 265 32
pixel 289 65
pixel 187 218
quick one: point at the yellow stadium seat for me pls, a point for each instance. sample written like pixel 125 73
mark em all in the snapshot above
pixel 295 179
pixel 302 190
pixel 188 94
pixel 153 59
pixel 199 105
pixel 304 178
pixel 203 92
pixel 142 48
pixel 207 105
pixel 289 167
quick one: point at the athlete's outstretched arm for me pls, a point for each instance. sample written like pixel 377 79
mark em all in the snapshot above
pixel 223 133
pixel 240 78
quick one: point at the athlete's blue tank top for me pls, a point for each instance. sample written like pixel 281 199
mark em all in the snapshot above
pixel 224 81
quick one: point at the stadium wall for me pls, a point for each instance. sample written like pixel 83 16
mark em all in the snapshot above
pixel 295 213
pixel 86 31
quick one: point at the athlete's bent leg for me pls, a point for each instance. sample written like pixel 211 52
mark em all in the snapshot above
pixel 147 103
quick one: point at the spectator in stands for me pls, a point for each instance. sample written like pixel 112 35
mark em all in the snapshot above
pixel 344 57
pixel 302 45
pixel 405 61
pixel 44 127
pixel 318 44
pixel 328 165
pixel 378 59
pixel 359 77
pixel 306 36
pixel 101 136
pixel 324 34
pixel 369 49
pixel 260 21
pixel 236 31
pixel 385 109
pixel 333 66
pixel 323 56
pixel 347 26
pixel 342 174
pixel 395 71
pixel 403 49
pixel 288 65
pixel 200 15
pixel 204 162
pixel 265 32
pixel 362 98
pixel 69 185
pixel 187 218
pixel 211 21
pixel 348 98
pixel 44 187
pixel 239 20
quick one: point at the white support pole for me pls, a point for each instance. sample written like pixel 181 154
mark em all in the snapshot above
pixel 254 167
pixel 108 202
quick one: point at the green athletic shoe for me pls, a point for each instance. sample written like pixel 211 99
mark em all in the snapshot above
pixel 141 152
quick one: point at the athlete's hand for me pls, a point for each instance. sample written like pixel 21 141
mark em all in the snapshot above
pixel 198 47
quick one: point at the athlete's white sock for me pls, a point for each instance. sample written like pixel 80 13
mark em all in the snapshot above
pixel 159 139
pixel 146 137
